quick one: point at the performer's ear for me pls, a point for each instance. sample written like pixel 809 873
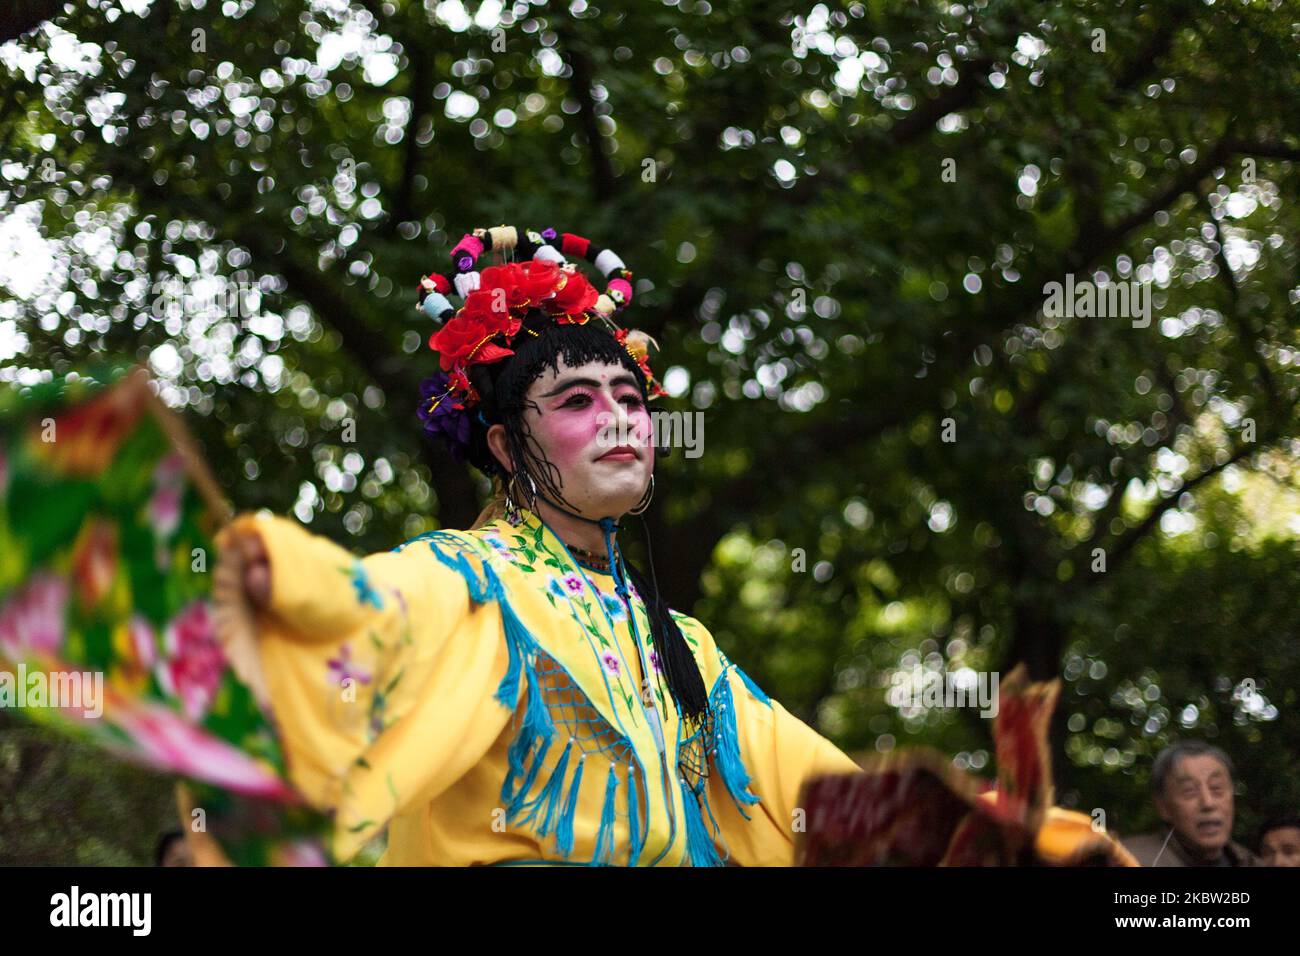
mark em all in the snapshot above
pixel 496 440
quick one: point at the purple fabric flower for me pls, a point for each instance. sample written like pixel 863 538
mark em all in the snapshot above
pixel 446 419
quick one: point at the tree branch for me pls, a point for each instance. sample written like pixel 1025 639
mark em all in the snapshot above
pixel 580 83
pixel 1129 539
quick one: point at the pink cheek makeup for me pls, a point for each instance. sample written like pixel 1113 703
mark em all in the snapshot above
pixel 567 435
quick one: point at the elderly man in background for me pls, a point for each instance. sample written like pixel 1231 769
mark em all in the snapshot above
pixel 1192 785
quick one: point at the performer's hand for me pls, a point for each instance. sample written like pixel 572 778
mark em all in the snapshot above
pixel 257 569
pixel 241 587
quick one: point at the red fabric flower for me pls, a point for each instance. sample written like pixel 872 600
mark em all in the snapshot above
pixel 525 283
pixel 577 296
pixel 465 340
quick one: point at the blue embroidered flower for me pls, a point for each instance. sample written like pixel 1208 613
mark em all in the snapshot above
pixel 499 546
pixel 556 587
pixel 365 593
pixel 617 611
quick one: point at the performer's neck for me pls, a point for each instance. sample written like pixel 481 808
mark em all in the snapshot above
pixel 575 532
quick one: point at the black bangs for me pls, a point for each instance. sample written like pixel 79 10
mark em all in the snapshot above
pixel 576 344
pixel 503 386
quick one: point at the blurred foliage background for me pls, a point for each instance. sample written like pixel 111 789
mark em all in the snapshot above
pixel 841 218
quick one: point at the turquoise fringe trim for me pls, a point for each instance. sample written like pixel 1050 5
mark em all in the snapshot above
pixel 635 836
pixel 536 733
pixel 698 844
pixel 564 835
pixel 461 565
pixel 726 744
pixel 548 801
pixel 604 853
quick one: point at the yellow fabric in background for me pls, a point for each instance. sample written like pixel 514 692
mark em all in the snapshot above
pixel 381 673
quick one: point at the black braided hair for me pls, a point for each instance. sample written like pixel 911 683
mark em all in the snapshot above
pixel 678 663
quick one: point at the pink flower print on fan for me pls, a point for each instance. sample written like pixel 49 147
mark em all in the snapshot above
pixel 162 739
pixel 165 510
pixel 33 619
pixel 343 670
pixel 142 641
pixel 193 662
pixel 170 470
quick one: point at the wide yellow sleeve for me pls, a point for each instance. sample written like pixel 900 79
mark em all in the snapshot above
pixel 777 752
pixel 379 672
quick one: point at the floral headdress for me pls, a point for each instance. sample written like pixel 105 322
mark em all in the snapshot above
pixel 494 304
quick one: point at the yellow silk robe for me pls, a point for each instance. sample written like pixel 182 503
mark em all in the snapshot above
pixel 481 694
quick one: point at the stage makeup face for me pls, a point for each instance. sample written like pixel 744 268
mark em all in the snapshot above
pixel 594 427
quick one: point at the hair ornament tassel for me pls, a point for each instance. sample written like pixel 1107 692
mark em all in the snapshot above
pixel 466 283
pixel 574 246
pixel 504 238
pixel 620 290
pixel 540 269
pixel 607 262
pixel 437 307
pixel 549 253
pixel 466 253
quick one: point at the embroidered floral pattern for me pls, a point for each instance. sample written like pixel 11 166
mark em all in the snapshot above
pixel 342 669
pixel 361 581
pixel 617 610
pixel 538 800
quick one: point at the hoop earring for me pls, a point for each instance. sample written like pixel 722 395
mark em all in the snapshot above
pixel 532 487
pixel 512 508
pixel 644 503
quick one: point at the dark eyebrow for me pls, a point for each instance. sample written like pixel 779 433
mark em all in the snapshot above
pixel 624 379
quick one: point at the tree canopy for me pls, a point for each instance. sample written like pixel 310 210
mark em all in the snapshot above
pixel 843 221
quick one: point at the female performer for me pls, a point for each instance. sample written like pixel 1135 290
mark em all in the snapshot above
pixel 518 693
